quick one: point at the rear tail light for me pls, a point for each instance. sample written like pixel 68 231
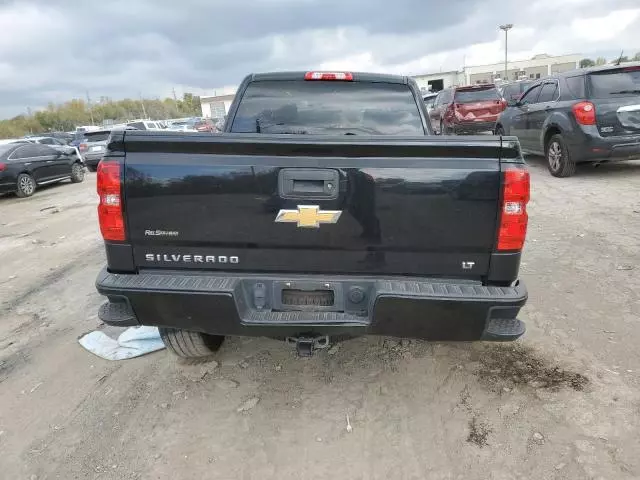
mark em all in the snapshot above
pixel 82 147
pixel 3 167
pixel 585 113
pixel 513 215
pixel 339 76
pixel 110 206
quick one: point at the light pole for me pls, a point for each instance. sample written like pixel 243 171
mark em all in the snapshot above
pixel 506 27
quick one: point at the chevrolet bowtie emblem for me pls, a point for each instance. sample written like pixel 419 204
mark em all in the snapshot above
pixel 308 216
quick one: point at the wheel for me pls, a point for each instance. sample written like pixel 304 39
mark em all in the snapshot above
pixel 26 185
pixel 499 130
pixel 559 161
pixel 190 345
pixel 77 172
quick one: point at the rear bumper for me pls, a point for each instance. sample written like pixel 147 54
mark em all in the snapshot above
pixel 7 186
pixel 221 304
pixel 594 147
pixel 474 127
pixel 92 159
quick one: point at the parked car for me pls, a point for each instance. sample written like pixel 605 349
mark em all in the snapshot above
pixel 24 166
pixel 95 144
pixel 429 99
pixel 205 125
pixel 590 115
pixel 55 143
pixel 45 140
pixel 63 137
pixel 467 110
pixel 144 125
pixel 512 92
pixel 93 148
pixel 183 125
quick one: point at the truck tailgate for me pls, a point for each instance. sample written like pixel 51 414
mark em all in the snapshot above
pixel 313 204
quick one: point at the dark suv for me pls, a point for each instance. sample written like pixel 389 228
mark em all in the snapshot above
pixel 590 115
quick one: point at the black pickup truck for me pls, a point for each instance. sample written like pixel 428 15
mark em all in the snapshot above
pixel 326 209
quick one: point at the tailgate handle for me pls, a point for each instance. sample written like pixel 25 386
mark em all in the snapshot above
pixel 309 183
pixel 308 186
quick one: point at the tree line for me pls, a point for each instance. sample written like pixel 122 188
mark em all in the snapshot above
pixel 588 62
pixel 66 116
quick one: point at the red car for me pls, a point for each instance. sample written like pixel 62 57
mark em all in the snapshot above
pixel 467 110
pixel 205 125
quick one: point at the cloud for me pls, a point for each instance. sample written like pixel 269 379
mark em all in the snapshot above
pixel 53 51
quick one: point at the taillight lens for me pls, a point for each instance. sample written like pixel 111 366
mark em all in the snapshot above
pixel 340 76
pixel 513 215
pixel 3 167
pixel 82 147
pixel 110 206
pixel 585 113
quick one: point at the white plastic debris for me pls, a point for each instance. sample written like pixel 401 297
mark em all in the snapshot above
pixel 133 342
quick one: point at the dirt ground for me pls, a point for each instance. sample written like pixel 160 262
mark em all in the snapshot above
pixel 561 403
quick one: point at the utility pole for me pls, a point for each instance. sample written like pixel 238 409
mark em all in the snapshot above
pixel 464 70
pixel 175 101
pixel 144 112
pixel 506 27
pixel 90 109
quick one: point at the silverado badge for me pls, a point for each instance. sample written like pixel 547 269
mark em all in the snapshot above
pixel 308 216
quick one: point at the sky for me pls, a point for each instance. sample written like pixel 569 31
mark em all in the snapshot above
pixel 55 50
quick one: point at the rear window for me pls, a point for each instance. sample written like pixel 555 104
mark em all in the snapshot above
pixel 96 136
pixel 5 148
pixel 476 95
pixel 624 82
pixel 328 107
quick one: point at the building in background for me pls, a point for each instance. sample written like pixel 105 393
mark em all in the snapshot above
pixel 216 106
pixel 434 82
pixel 537 67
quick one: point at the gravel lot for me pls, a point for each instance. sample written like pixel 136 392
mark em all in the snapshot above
pixel 562 403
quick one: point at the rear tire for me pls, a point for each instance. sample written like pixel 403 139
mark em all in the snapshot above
pixel 559 161
pixel 194 346
pixel 77 172
pixel 25 186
